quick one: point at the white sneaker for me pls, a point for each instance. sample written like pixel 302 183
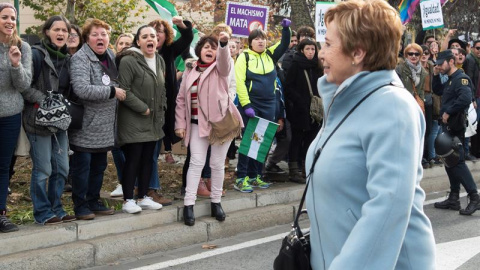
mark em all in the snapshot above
pixel 131 207
pixel 148 204
pixel 117 192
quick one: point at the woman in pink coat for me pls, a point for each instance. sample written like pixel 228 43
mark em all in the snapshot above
pixel 203 98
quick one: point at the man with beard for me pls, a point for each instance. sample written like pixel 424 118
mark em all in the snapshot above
pixel 456 97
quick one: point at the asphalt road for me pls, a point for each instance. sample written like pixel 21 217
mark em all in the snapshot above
pixel 457 239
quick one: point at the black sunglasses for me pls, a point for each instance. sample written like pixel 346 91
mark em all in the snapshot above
pixel 413 53
pixel 477 48
pixel 426 53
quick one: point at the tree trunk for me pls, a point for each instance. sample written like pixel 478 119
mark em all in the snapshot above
pixel 70 14
pixel 300 14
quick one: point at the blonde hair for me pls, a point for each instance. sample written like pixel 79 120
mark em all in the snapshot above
pixel 14 39
pixel 372 25
pixel 221 27
pixel 90 23
pixel 124 35
pixel 414 46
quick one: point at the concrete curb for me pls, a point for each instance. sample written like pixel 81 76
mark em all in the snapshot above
pixel 109 238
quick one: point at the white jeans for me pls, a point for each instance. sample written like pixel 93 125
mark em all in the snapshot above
pixel 198 151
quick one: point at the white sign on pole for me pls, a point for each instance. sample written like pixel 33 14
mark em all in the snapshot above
pixel 432 16
pixel 320 27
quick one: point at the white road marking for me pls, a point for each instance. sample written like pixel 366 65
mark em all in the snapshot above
pixel 463 249
pixel 213 252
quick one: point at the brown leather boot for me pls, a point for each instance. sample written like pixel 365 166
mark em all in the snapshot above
pixel 208 183
pixel 202 190
pixel 158 198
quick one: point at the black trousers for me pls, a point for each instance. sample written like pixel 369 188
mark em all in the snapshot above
pixel 138 166
pixel 460 174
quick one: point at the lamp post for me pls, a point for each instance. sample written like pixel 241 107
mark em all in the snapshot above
pixel 17 7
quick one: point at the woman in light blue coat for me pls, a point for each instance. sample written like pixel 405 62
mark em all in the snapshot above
pixel 368 212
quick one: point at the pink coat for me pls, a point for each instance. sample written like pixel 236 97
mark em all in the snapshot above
pixel 212 95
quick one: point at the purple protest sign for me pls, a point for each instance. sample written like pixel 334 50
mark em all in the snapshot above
pixel 243 18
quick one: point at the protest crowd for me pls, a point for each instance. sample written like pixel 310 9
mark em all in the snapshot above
pixel 77 95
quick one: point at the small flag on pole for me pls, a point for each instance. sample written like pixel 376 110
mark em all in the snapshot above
pixel 406 8
pixel 164 8
pixel 258 138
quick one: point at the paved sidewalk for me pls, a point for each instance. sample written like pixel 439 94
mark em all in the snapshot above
pixel 107 239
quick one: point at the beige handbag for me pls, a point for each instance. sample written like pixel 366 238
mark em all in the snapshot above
pixel 224 130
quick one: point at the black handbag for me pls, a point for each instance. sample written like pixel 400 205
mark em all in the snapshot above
pixel 295 250
pixel 76 111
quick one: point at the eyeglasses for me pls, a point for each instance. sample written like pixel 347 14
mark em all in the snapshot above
pixel 413 54
pixel 73 36
pixel 426 53
pixel 477 48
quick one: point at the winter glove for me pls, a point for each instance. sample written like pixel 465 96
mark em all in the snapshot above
pixel 286 22
pixel 250 112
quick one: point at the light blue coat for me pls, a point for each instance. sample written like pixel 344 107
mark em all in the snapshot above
pixel 365 202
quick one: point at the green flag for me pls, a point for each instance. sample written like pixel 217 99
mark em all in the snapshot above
pixel 258 138
pixel 165 9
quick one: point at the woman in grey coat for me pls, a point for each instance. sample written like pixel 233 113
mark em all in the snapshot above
pixel 94 79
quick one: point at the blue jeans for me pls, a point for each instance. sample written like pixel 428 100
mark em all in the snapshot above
pixel 154 179
pixel 434 131
pixel 119 160
pixel 87 179
pixel 9 130
pixel 247 166
pixel 50 163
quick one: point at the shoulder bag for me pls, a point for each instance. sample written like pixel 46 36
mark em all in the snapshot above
pixel 295 250
pixel 53 113
pixel 316 105
pixel 419 100
pixel 224 130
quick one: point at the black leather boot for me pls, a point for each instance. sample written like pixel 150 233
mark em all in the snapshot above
pixel 472 206
pixel 452 202
pixel 188 216
pixel 217 211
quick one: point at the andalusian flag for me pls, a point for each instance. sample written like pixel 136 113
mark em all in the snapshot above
pixel 165 9
pixel 258 138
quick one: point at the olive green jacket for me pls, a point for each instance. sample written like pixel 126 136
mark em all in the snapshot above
pixel 405 75
pixel 145 90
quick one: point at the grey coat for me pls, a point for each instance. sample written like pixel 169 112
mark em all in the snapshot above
pixel 98 126
pixel 14 80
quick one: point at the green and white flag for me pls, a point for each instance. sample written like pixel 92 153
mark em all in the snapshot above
pixel 164 8
pixel 258 138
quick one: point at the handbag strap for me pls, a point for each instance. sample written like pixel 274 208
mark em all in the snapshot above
pixel 208 98
pixel 308 82
pixel 317 155
pixel 414 88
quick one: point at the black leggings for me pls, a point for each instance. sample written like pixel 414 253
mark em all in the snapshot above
pixel 138 166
